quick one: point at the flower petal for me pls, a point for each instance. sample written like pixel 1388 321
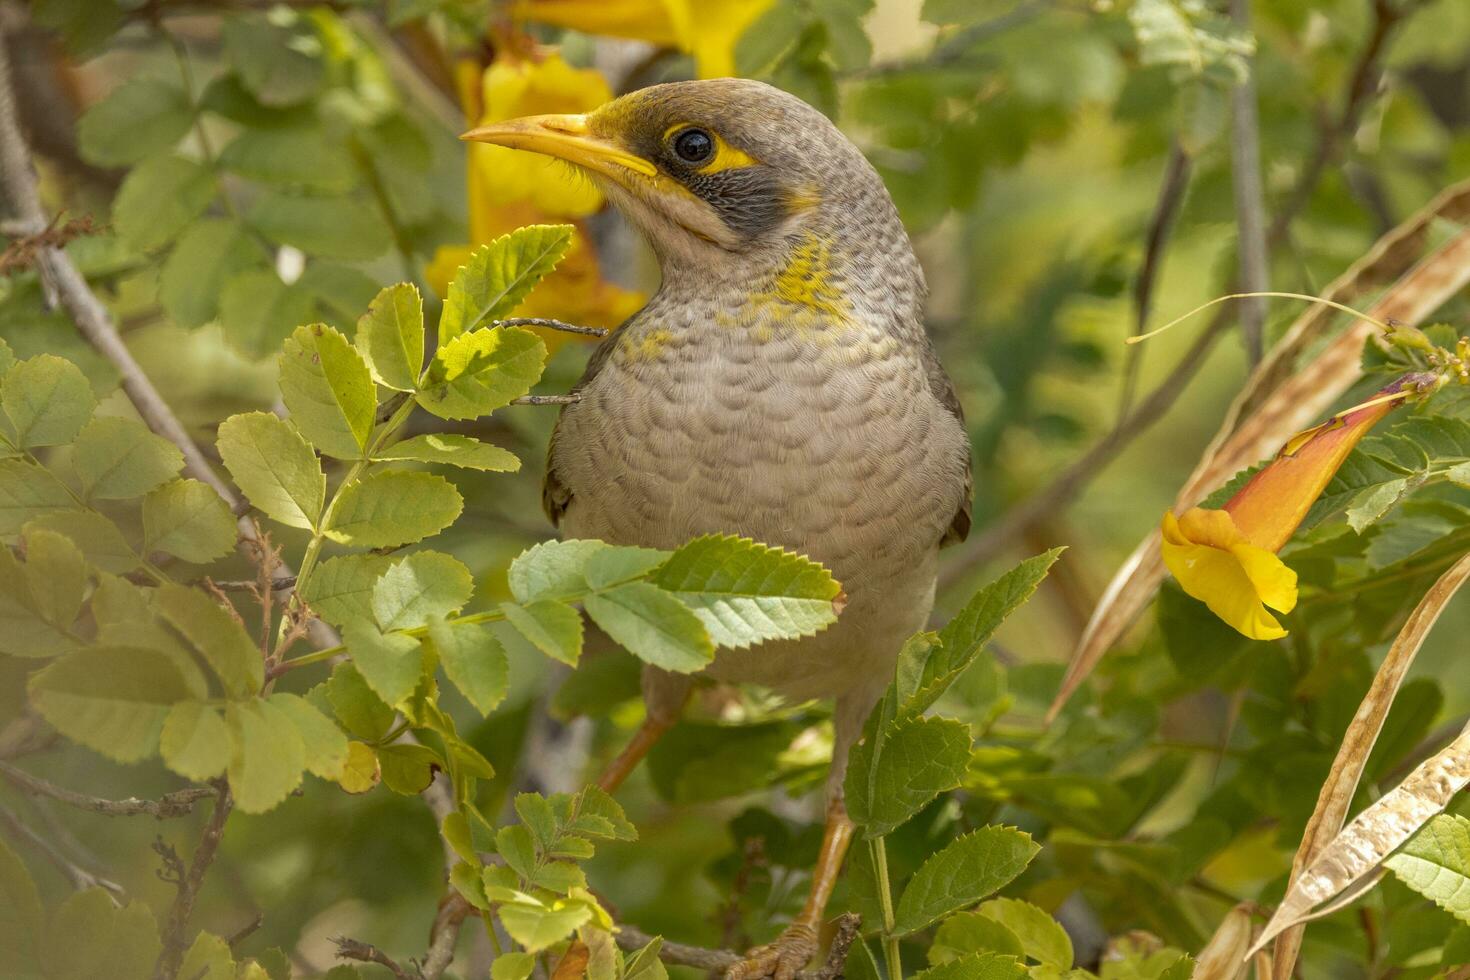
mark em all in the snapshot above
pixel 1213 562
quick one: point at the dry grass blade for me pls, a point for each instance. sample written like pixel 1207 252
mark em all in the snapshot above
pixel 1224 956
pixel 1278 399
pixel 1429 780
pixel 1375 834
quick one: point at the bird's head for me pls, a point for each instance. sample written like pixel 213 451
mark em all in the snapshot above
pixel 722 173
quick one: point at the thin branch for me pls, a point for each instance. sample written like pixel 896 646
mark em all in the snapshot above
pixel 246 931
pixel 571 399
pixel 175 804
pixel 79 877
pixel 1250 201
pixel 704 958
pixel 355 949
pixel 445 932
pixel 550 324
pixel 175 936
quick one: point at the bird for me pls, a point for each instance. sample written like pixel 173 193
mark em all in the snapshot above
pixel 779 385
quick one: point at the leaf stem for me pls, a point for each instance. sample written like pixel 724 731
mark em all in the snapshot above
pixel 327 653
pixel 885 900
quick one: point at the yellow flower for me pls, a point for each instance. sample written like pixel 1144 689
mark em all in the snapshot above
pixel 1214 562
pixel 706 29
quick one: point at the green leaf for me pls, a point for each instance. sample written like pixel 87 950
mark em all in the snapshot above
pixel 498 276
pixel 28 491
pixel 456 450
pixel 196 741
pixel 301 155
pixel 268 755
pixel 90 937
pixel 57 575
pixel 978 966
pixel 7 358
pixel 206 255
pixel 99 539
pixel 20 910
pixel 390 336
pixel 188 519
pixel 645 964
pixel 1436 863
pixel 476 373
pixel 970 932
pixel 966 870
pixel 274 466
pixel 1375 501
pixel 326 746
pixel 332 227
pixel 326 385
pixel 552 570
pixel 408 769
pixel 926 670
pixel 359 710
pixel 259 311
pixel 599 815
pixel 391 663
pixel 474 660
pixel 137 119
pixel 653 626
pixel 550 626
pixel 217 635
pixel 746 593
pixel 514 965
pixel 340 590
pixel 47 400
pixel 209 958
pixel 538 926
pixel 892 778
pixel 422 587
pixel 158 198
pixel 280 64
pixel 117 459
pixel 386 510
pixel 1042 937
pixel 124 617
pixel 617 564
pixel 110 699
pixel 24 630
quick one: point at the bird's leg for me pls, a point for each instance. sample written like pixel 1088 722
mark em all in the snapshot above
pixel 664 695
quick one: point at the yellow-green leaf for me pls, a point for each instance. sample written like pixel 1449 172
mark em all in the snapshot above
pixel 268 755
pixel 465 452
pixel 474 660
pixel 196 741
pixel 274 466
pixel 422 587
pixel 386 510
pixel 327 387
pixel 111 699
pixel 189 520
pixel 217 635
pixel 391 336
pixel 117 459
pixel 47 400
pixel 476 373
pixel 498 276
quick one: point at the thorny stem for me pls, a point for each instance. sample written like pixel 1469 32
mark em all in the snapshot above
pixel 327 653
pixel 885 900
pixel 174 941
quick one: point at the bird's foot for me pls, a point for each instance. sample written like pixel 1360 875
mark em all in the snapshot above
pixel 779 960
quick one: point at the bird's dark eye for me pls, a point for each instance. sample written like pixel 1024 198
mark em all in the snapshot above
pixel 694 145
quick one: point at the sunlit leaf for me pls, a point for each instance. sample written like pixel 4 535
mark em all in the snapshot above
pixel 961 873
pixel 499 275
pixel 474 660
pixel 327 388
pixel 421 588
pixel 395 508
pixel 189 520
pixel 478 372
pixel 274 466
pixel 391 336
pixel 111 699
pixel 653 626
pixel 456 450
pixel 47 400
pixel 117 459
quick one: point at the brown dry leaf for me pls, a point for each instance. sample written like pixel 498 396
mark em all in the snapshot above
pixel 1275 402
pixel 1375 833
pixel 573 964
pixel 1342 780
pixel 1224 956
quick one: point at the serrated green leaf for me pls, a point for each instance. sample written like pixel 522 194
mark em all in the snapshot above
pixel 205 257
pixel 274 466
pixel 47 400
pixel 1373 502
pixel 340 590
pixel 498 276
pixel 965 933
pixel 552 627
pixel 408 769
pixel 100 541
pixel 513 965
pixel 279 63
pixel 124 617
pixel 599 815
pixel 90 937
pixel 1042 938
pixel 28 491
pixel 421 588
pixel 966 870
pixel 158 198
pixel 137 119
pixel 188 519
pixel 208 958
pixel 979 966
pixel 217 635
pixel 653 626
pixel 268 754
pixel 536 927
pixel 516 845
pixel 110 699
pixel 332 227
pixel 478 372
pixel 117 459
pixel 359 710
pixel 918 759
pixel 24 630
pixel 21 914
pixel 391 663
pixel 326 385
pixel 57 575
pixel 325 745
pixel 746 593
pixel 474 660
pixel 616 564
pixel 196 741
pixel 293 155
pixel 7 358
pixel 386 510
pixel 645 964
pixel 1436 863
pixel 456 450
pixel 551 570
pixel 259 311
pixel 391 336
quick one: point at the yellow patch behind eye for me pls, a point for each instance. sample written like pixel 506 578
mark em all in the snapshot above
pixel 726 157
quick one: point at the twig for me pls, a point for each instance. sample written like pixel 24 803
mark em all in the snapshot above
pixel 79 877
pixel 21 252
pixel 175 939
pixel 281 583
pixel 550 324
pixel 703 958
pixel 1250 204
pixel 1177 170
pixel 174 804
pixel 571 399
pixel 354 949
pixel 246 931
pixel 445 932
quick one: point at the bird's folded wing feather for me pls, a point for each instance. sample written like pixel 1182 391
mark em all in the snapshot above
pixel 943 389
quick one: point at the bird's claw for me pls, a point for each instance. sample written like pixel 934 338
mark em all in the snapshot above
pixel 779 960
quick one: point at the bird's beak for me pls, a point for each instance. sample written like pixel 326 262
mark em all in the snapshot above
pixel 565 137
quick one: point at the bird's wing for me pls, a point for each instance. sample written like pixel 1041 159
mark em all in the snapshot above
pixel 943 389
pixel 556 496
